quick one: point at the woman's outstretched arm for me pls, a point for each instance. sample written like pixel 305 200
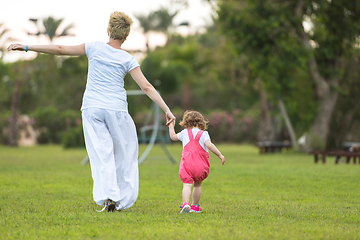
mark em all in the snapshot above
pixel 149 90
pixel 75 50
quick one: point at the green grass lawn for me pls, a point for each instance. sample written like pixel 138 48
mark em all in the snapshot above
pixel 47 194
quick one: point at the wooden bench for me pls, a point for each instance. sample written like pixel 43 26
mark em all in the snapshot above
pixel 316 156
pixel 338 154
pixel 273 146
pixel 348 155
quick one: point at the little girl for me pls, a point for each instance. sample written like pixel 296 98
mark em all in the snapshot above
pixel 194 165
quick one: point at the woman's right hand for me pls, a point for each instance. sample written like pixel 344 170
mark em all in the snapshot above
pixel 16 47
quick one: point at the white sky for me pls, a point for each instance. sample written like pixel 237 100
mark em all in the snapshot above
pixel 90 19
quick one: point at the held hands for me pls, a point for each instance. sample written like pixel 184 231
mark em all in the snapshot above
pixel 172 133
pixel 172 124
pixel 170 118
pixel 16 47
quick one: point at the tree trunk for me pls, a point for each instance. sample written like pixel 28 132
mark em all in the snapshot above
pixel 13 138
pixel 186 98
pixel 266 131
pixel 147 40
pixel 325 91
pixel 317 137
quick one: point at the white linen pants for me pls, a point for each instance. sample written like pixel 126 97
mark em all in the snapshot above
pixel 112 145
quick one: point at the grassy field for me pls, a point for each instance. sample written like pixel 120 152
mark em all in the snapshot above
pixel 47 194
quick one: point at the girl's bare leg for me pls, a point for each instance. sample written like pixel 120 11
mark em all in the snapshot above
pixel 186 193
pixel 196 193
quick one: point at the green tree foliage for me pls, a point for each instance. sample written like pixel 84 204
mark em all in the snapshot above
pixel 56 126
pixel 33 83
pixel 46 81
pixel 345 125
pixel 5 86
pixel 336 30
pixel 225 74
pixel 175 66
pixel 264 31
pixel 71 82
pixel 46 78
pixel 219 75
pixel 202 72
pixel 272 36
pixel 59 83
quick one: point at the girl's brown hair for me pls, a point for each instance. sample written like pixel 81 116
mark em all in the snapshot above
pixel 193 119
pixel 119 25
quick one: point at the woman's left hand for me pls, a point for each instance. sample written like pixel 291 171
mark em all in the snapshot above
pixel 170 118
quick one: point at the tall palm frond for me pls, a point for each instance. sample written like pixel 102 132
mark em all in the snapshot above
pixel 65 32
pixel 35 21
pixel 147 22
pixel 164 20
pixel 51 27
pixel 157 21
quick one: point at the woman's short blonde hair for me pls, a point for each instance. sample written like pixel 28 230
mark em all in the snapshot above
pixel 119 25
pixel 193 119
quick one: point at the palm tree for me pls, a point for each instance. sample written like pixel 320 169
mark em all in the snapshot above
pixel 164 20
pixel 158 21
pixel 51 26
pixel 147 23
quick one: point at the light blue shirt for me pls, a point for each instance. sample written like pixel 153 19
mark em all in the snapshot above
pixel 105 81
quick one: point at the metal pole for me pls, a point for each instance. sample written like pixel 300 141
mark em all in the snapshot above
pixel 153 135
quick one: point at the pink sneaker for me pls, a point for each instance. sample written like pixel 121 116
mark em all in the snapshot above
pixel 195 209
pixel 185 208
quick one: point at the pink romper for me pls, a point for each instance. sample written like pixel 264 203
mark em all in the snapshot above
pixel 194 165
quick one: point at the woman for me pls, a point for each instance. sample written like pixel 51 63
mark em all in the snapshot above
pixel 110 134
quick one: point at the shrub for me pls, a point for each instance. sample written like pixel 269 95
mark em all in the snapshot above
pixel 47 122
pixel 51 124
pixel 73 137
pixel 234 126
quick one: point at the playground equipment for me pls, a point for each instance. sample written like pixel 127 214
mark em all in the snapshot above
pixel 156 135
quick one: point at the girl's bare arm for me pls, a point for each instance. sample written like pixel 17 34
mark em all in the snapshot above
pixel 214 150
pixel 172 133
